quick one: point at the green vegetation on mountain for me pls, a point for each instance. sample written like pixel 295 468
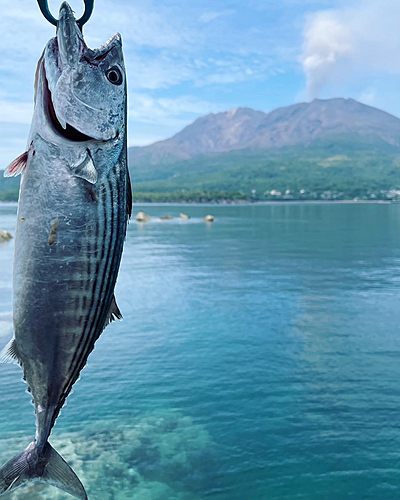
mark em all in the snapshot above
pixel 191 197
pixel 336 169
pixel 9 188
pixel 9 195
pixel 331 149
pixel 344 168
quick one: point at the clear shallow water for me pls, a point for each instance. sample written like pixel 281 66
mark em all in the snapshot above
pixel 259 358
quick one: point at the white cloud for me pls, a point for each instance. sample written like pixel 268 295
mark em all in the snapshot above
pixel 226 78
pixel 235 70
pixel 327 42
pixel 149 25
pixel 148 115
pixel 168 69
pixel 11 112
pixel 368 96
pixel 207 17
pixel 12 145
pixel 139 138
pixel 168 111
pixel 158 72
pixel 343 44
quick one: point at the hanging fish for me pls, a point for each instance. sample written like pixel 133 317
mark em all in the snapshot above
pixel 75 201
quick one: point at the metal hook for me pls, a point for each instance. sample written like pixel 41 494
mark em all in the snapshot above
pixel 44 8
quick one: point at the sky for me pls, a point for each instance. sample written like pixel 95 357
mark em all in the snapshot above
pixel 187 59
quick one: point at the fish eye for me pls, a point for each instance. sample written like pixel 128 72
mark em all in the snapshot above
pixel 114 76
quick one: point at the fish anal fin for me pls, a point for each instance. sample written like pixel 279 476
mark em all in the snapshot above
pixel 17 166
pixel 9 354
pixel 113 313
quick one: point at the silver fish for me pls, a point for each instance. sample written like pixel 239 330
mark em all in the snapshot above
pixel 74 205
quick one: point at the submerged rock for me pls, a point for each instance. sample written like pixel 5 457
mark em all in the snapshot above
pixel 163 456
pixel 142 217
pixel 209 218
pixel 184 216
pixel 5 235
pixel 165 217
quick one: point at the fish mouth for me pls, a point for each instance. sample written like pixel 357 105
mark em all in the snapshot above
pixel 69 132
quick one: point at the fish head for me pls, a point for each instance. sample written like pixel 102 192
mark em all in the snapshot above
pixel 85 89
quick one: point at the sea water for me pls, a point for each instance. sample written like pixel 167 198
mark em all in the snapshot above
pixel 258 359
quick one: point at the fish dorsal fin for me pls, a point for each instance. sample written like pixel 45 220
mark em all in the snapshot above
pixel 85 169
pixel 9 354
pixel 17 166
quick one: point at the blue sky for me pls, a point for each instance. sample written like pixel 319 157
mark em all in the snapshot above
pixel 187 59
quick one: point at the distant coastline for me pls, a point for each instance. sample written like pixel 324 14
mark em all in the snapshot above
pixel 231 198
pixel 247 203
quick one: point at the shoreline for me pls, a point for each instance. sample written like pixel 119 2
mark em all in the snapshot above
pixel 249 203
pixel 285 202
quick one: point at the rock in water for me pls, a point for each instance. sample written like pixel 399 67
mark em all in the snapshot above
pixel 5 235
pixel 184 216
pixel 165 217
pixel 163 455
pixel 142 217
pixel 209 218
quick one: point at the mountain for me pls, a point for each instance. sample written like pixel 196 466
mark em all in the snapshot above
pixel 326 149
pixel 244 128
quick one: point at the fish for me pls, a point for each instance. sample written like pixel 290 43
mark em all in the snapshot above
pixel 74 205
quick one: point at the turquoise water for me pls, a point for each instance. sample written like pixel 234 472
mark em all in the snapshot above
pixel 258 359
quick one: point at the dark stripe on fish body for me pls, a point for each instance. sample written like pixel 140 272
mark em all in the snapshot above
pixel 110 284
pixel 88 313
pixel 116 252
pixel 96 327
pixel 89 283
pixel 102 214
pixel 100 319
pixel 82 275
pixel 96 236
pixel 89 337
pixel 96 295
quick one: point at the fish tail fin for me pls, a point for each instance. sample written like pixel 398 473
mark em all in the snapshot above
pixel 46 466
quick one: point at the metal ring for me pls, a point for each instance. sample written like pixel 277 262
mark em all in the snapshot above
pixel 44 8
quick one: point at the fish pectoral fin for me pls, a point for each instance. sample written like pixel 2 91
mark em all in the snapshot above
pixel 17 166
pixel 113 313
pixel 86 170
pixel 10 354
